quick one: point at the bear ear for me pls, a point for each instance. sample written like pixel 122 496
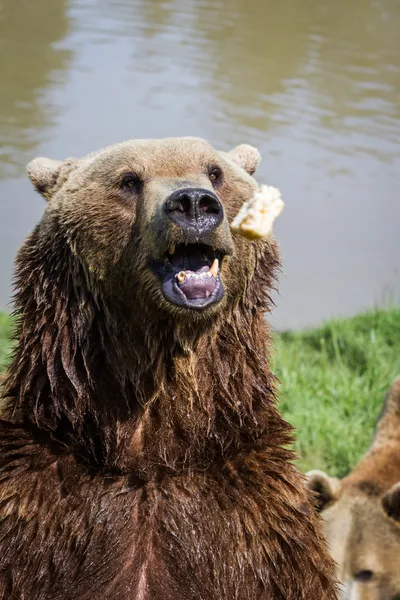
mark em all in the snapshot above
pixel 246 156
pixel 391 502
pixel 326 489
pixel 44 172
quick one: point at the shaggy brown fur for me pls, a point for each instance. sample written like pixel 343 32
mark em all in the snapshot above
pixel 142 455
pixel 362 512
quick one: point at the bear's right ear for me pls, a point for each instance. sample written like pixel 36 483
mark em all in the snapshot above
pixel 391 502
pixel 326 489
pixel 44 172
pixel 246 156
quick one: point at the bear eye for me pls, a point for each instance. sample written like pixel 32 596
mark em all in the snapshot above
pixel 215 174
pixel 130 182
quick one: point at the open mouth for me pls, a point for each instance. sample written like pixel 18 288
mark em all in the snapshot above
pixel 190 275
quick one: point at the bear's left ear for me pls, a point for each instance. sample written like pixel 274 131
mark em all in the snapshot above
pixel 391 502
pixel 44 172
pixel 246 156
pixel 326 489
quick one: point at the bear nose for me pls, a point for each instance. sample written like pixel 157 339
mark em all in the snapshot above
pixel 194 207
pixel 364 575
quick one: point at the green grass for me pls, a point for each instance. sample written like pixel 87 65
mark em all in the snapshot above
pixel 5 334
pixel 334 379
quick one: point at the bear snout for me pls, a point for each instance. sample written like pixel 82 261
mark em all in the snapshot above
pixel 194 209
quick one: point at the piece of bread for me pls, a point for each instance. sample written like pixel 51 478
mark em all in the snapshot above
pixel 256 217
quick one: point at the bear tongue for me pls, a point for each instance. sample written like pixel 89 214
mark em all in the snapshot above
pixel 197 284
pixel 196 287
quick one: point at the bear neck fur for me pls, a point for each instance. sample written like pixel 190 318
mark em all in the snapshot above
pixel 136 393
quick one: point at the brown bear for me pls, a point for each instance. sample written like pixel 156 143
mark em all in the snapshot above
pixel 142 455
pixel 361 512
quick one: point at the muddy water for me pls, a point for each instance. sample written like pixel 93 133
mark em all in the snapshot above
pixel 314 84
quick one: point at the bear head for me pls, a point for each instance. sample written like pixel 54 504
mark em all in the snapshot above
pixel 149 222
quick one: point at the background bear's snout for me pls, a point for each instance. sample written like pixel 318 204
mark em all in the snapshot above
pixel 194 208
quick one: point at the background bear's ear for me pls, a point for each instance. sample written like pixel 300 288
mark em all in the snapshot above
pixel 44 172
pixel 391 502
pixel 246 156
pixel 326 489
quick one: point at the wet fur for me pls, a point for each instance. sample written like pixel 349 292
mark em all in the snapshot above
pixel 142 455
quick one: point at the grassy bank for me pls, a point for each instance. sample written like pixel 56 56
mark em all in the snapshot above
pixel 5 334
pixel 334 380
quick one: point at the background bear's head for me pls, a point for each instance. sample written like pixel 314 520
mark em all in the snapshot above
pixel 149 222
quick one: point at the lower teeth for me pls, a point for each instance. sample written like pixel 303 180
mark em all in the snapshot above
pixel 182 275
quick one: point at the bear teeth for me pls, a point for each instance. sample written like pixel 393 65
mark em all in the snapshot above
pixel 183 275
pixel 214 268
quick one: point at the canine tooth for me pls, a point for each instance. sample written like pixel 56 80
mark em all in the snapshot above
pixel 214 248
pixel 214 268
pixel 171 249
pixel 181 276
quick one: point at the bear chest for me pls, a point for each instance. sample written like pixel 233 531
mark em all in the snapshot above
pixel 64 536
